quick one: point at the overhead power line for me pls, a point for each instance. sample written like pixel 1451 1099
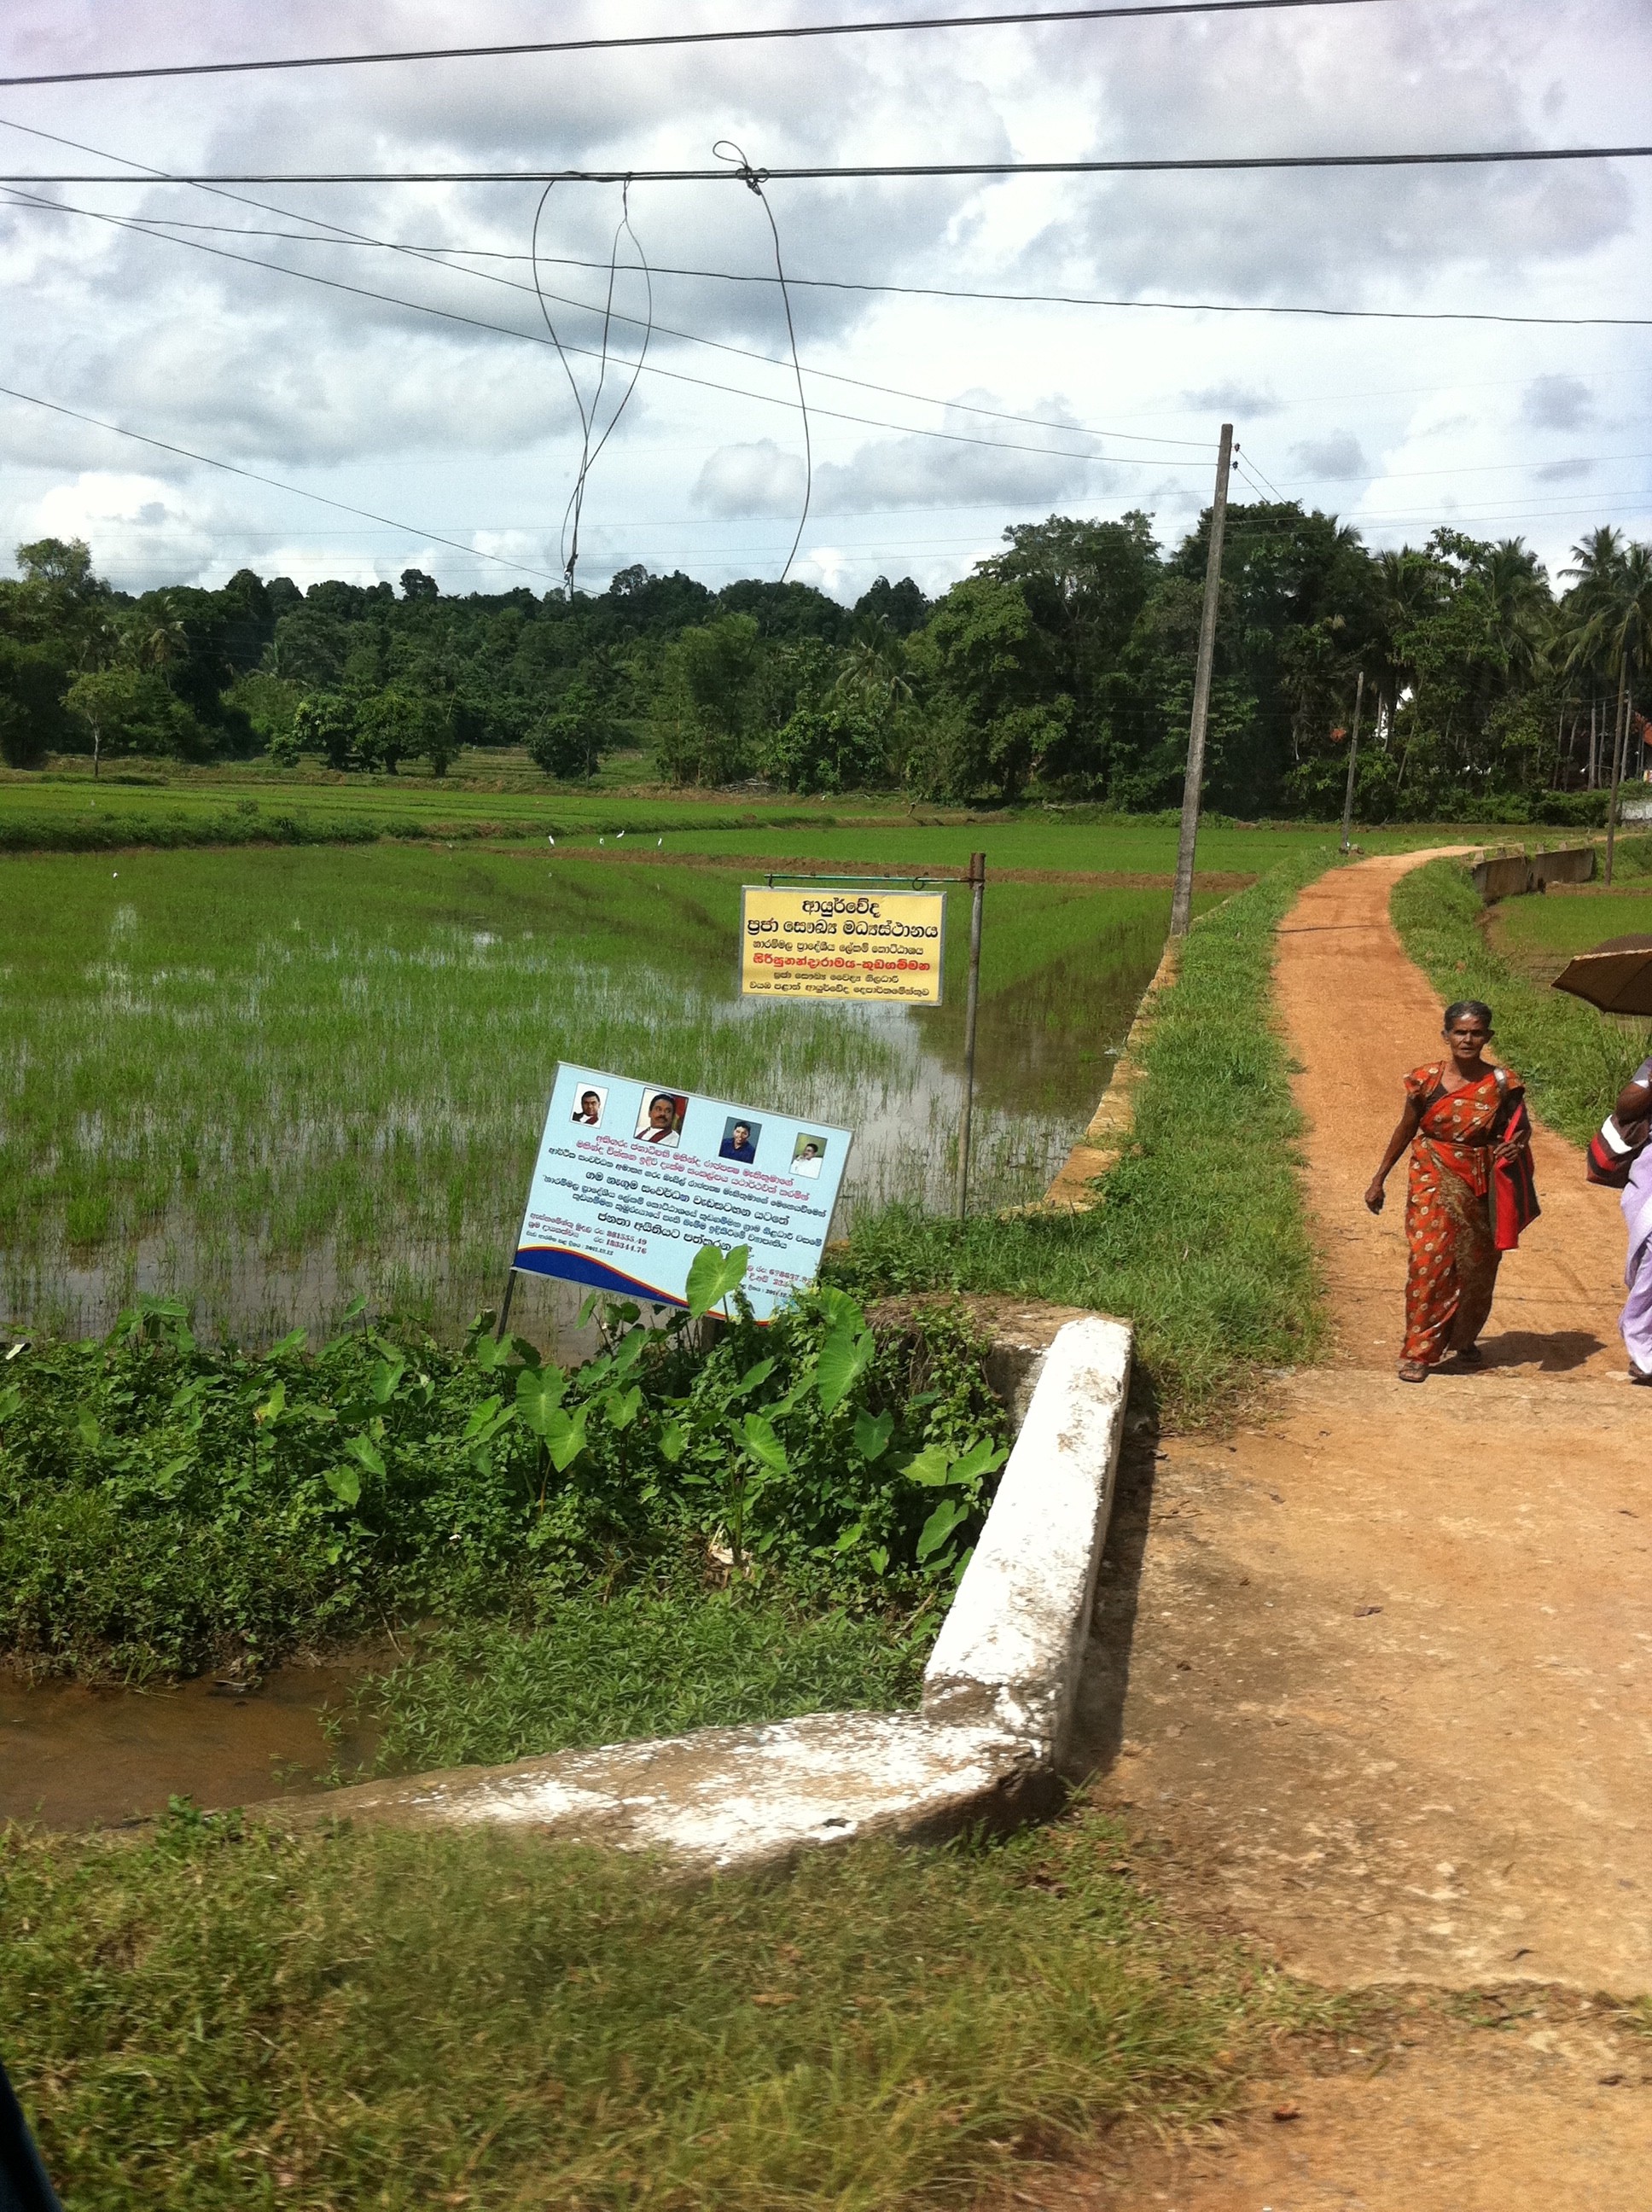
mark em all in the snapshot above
pixel 651 325
pixel 440 253
pixel 640 40
pixel 231 468
pixel 682 376
pixel 843 171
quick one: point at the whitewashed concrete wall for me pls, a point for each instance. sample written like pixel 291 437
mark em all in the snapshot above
pixel 982 1747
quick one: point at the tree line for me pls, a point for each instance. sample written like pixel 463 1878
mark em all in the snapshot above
pixel 1061 667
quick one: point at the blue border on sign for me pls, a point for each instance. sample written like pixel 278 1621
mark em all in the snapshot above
pixel 571 1267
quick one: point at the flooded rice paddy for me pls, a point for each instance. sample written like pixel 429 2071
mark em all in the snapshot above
pixel 268 1079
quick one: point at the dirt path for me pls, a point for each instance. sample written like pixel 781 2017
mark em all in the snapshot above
pixel 1373 1677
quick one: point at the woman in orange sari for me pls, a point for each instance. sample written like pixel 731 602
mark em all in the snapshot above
pixel 1469 1134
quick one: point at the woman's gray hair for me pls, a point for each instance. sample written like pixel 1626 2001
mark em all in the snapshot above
pixel 1456 1011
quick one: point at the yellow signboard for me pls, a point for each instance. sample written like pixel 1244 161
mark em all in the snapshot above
pixel 805 944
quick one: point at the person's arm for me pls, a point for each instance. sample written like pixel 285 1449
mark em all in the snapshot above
pixel 1404 1130
pixel 1633 1101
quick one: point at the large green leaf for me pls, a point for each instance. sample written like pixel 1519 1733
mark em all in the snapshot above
pixel 565 1437
pixel 981 1458
pixel 345 1484
pixel 622 1406
pixel 539 1395
pixel 673 1441
pixel 364 1449
pixel 844 1358
pixel 940 1524
pixel 871 1436
pixel 713 1273
pixel 931 1467
pixel 764 1446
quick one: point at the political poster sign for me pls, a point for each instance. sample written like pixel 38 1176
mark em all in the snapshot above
pixel 633 1178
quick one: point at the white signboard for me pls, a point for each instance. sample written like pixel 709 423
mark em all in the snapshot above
pixel 633 1178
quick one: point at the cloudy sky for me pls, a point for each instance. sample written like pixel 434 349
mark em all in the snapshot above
pixel 438 404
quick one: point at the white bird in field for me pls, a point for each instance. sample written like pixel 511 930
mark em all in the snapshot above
pixel 602 840
pixel 550 841
pixel 658 843
pixel 620 832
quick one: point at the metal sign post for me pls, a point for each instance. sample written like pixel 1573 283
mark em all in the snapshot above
pixel 977 881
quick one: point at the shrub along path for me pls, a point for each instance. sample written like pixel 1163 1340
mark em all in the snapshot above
pixel 1372 1679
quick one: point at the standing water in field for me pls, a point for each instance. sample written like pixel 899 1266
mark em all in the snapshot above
pixel 268 1079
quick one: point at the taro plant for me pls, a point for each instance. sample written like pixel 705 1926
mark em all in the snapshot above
pixel 164 1504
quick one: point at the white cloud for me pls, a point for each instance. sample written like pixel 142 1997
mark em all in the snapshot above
pixel 471 436
pixel 149 523
pixel 758 478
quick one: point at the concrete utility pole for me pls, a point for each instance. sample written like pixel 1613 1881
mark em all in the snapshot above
pixel 1620 746
pixel 1353 755
pixel 1182 899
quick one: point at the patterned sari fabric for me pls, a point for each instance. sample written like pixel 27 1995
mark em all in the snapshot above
pixel 1453 1269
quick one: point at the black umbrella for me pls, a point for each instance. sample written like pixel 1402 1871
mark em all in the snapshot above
pixel 1616 976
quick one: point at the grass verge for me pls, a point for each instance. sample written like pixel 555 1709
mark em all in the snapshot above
pixel 225 2016
pixel 1201 1239
pixel 1573 1060
pixel 634 1663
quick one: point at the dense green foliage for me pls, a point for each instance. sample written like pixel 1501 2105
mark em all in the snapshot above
pixel 1063 665
pixel 161 1503
pixel 1573 1061
pixel 220 2016
pixel 1200 1238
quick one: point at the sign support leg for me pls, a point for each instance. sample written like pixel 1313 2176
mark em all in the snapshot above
pixel 977 880
pixel 505 1305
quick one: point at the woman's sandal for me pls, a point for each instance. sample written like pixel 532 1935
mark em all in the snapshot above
pixel 1412 1370
pixel 1470 1354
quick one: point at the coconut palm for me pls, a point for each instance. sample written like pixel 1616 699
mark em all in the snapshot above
pixel 1616 636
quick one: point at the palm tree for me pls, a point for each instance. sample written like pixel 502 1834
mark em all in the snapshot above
pixel 1518 594
pixel 1616 635
pixel 1597 566
pixel 1407 588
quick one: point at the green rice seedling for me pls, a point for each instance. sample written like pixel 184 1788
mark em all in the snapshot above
pixel 266 1079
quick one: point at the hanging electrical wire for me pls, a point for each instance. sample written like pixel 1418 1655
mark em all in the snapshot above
pixel 753 178
pixel 568 544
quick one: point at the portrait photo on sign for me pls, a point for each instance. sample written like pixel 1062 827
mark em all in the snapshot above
pixel 739 1139
pixel 589 1101
pixel 808 1155
pixel 660 1121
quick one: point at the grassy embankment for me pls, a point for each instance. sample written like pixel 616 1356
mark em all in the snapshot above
pixel 214 2017
pixel 1573 1060
pixel 1201 1239
pixel 63 811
